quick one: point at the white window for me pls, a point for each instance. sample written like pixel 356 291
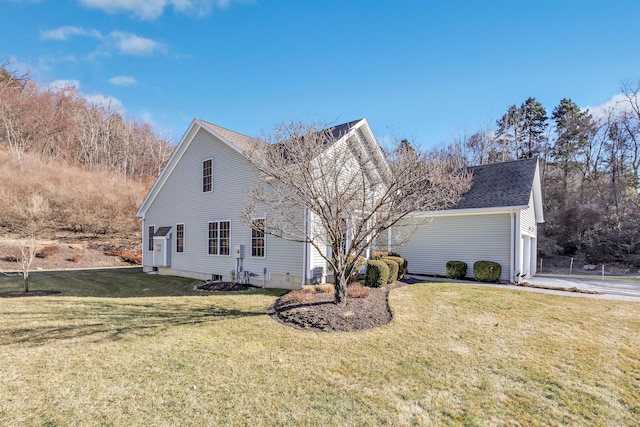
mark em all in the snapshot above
pixel 180 238
pixel 207 175
pixel 152 230
pixel 219 237
pixel 258 248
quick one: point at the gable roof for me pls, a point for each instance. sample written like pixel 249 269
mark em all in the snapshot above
pixel 241 141
pixel 339 131
pixel 501 187
pixel 507 184
pixel 237 141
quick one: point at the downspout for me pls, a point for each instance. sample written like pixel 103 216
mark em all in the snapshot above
pixel 305 254
pixel 512 246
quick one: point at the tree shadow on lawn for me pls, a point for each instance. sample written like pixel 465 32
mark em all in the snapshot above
pixel 112 283
pixel 101 321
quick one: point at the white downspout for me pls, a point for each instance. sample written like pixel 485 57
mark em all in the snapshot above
pixel 305 254
pixel 512 246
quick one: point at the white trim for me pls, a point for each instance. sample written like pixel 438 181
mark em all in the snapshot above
pixel 470 211
pixel 264 238
pixel 219 239
pixel 184 238
pixel 184 143
pixel 150 237
pixel 211 190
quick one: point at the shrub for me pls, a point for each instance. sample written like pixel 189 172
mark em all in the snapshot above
pixel 356 290
pixel 456 270
pixel 486 271
pixel 376 255
pixel 130 257
pixel 309 289
pixel 298 296
pixel 402 265
pixel 324 288
pixel 377 274
pixel 393 269
pixel 47 251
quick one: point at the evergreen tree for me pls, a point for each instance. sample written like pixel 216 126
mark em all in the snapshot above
pixel 534 124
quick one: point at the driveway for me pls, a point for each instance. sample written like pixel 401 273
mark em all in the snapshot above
pixel 621 286
pixel 625 288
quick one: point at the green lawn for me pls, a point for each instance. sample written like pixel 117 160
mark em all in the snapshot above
pixel 123 348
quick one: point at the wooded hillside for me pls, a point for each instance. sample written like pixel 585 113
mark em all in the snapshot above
pixel 71 169
pixel 590 172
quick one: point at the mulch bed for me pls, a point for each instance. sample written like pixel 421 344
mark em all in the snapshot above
pixel 27 294
pixel 321 314
pixel 223 286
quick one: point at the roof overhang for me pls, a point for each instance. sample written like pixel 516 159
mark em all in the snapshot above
pixel 472 211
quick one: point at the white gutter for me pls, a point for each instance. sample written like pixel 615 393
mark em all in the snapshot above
pixel 471 211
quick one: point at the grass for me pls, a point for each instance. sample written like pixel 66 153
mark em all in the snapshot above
pixel 123 348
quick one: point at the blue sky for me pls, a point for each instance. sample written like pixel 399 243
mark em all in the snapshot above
pixel 425 70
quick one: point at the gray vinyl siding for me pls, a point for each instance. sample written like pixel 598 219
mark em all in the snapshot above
pixel 181 200
pixel 467 238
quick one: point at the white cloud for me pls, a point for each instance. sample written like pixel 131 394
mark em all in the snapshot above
pixel 66 32
pixel 152 9
pixel 619 103
pixel 131 44
pixel 123 80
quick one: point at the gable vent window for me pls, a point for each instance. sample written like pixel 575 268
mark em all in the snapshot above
pixel 207 175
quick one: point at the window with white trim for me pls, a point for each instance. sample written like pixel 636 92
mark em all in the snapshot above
pixel 180 238
pixel 152 231
pixel 257 238
pixel 219 237
pixel 207 175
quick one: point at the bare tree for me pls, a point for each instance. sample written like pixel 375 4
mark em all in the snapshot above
pixel 341 190
pixel 34 209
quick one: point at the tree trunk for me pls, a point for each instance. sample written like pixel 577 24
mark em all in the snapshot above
pixel 26 284
pixel 340 291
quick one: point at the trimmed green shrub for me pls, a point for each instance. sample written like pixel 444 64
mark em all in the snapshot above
pixel 377 274
pixel 456 270
pixel 402 265
pixel 376 255
pixel 393 269
pixel 486 271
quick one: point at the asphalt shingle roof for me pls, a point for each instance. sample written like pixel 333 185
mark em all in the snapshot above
pixel 241 141
pixel 500 185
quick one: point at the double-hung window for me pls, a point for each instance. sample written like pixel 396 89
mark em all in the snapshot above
pixel 180 238
pixel 207 175
pixel 152 230
pixel 219 237
pixel 257 238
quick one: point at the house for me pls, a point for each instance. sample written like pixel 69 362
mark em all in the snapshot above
pixel 496 220
pixel 191 217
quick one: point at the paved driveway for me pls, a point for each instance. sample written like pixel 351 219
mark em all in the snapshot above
pixel 623 286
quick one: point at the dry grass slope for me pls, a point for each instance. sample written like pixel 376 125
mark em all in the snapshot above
pixel 76 204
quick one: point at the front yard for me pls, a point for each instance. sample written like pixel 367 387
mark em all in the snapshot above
pixel 119 347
